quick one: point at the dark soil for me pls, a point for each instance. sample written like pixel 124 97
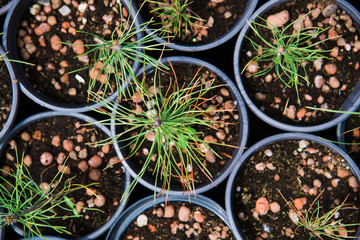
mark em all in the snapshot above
pixel 5 94
pixel 185 73
pixel 186 230
pixel 46 76
pixel 295 167
pixel 206 9
pixel 279 99
pixel 110 185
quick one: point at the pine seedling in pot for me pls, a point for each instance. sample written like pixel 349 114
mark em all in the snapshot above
pixel 292 47
pixel 30 204
pixel 319 223
pixel 177 17
pixel 113 58
pixel 168 121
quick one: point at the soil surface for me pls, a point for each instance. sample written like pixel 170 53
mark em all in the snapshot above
pixel 64 137
pixel 5 94
pixel 226 122
pixel 177 220
pixel 300 170
pixel 44 27
pixel 326 89
pixel 218 18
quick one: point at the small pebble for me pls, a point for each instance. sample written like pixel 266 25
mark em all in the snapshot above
pixel 353 182
pixel 55 41
pixel 275 207
pixel 95 161
pixel 330 68
pixel 141 220
pixel 83 166
pixel 55 141
pixel 169 211
pixel 334 82
pixel 95 174
pixel 184 214
pixel 25 136
pixel 99 200
pixel 278 19
pixel 46 158
pixel 68 145
pixel 28 160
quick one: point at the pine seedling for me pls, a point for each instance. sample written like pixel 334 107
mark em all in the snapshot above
pixel 287 53
pixel 113 58
pixel 30 204
pixel 320 224
pixel 176 16
pixel 170 120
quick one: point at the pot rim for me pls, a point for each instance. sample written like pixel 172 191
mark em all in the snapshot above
pixel 350 104
pixel 43 115
pixel 266 141
pixel 12 21
pixel 137 208
pixel 249 9
pixel 244 131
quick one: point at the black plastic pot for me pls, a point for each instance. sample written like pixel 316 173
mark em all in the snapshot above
pixel 5 8
pixel 279 137
pixel 100 231
pixel 243 134
pixel 137 208
pixel 15 95
pixel 351 103
pixel 12 21
pixel 221 40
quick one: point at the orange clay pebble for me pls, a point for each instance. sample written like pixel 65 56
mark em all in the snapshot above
pixel 330 68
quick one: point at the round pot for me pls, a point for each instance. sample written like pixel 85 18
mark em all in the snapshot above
pixel 350 104
pixel 12 22
pixel 137 208
pixel 98 232
pixel 229 199
pixel 243 134
pixel 15 96
pixel 5 8
pixel 221 40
